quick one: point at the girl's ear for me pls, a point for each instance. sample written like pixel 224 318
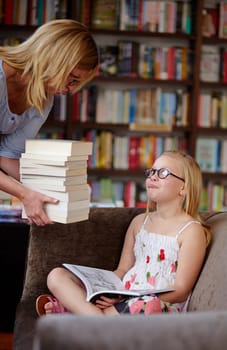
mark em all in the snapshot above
pixel 182 192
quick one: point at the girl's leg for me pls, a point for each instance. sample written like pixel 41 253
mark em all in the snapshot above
pixel 71 293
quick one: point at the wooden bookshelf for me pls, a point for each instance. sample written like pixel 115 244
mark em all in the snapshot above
pixel 194 86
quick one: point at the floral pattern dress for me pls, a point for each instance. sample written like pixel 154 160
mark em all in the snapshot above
pixel 155 267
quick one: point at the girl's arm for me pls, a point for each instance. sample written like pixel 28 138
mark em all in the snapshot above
pixel 191 256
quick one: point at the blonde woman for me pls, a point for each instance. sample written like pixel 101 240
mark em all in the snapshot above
pixel 58 58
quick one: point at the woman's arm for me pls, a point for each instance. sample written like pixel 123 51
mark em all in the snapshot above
pixel 33 201
pixel 10 166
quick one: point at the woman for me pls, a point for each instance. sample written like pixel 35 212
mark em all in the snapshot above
pixel 60 57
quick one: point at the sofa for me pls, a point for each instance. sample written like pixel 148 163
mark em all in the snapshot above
pixel 98 242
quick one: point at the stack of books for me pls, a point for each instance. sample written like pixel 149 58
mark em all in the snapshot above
pixel 58 168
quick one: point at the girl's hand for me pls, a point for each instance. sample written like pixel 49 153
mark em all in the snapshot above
pixel 105 302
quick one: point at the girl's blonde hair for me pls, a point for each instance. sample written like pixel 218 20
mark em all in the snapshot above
pixel 52 52
pixel 192 175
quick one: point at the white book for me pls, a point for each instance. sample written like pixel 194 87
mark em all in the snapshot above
pixel 62 208
pixel 58 147
pixel 70 217
pixel 55 159
pixel 100 282
pixel 38 163
pixel 54 171
pixel 53 180
pixel 81 215
pixel 63 188
pixel 78 193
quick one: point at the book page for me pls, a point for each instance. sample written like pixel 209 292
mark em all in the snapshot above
pixel 96 280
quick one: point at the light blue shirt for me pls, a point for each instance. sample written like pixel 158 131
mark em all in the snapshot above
pixel 14 128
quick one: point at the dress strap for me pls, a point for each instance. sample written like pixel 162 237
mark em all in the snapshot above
pixel 185 226
pixel 145 220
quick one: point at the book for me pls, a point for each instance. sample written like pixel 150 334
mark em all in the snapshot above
pixel 58 147
pixel 75 216
pixel 105 14
pixel 208 154
pixel 108 59
pixel 210 63
pixel 100 282
pixel 65 207
pixel 63 187
pixel 53 180
pixel 70 217
pixel 222 29
pixel 53 160
pixel 79 192
pixel 129 15
pixel 210 22
pixel 52 170
pixel 39 163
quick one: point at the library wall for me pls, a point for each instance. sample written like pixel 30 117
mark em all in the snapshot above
pixel 161 85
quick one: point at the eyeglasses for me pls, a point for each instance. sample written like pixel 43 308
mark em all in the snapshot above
pixel 162 173
pixel 73 82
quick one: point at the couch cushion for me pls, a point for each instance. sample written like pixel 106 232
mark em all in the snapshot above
pixel 210 292
pixel 189 331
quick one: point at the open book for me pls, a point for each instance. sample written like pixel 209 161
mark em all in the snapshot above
pixel 104 282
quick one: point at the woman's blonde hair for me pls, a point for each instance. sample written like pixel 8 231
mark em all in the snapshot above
pixel 192 175
pixel 52 52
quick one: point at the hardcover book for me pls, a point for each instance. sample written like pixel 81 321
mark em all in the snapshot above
pixel 105 14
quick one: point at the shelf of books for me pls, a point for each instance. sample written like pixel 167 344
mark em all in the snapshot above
pixel 162 83
pixel 138 104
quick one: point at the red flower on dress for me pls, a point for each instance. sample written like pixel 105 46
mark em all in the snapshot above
pixel 151 280
pixel 174 267
pixel 153 307
pixel 147 259
pixel 136 307
pixel 127 285
pixel 133 277
pixel 161 255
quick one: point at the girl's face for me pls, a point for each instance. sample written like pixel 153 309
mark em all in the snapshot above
pixel 171 183
pixel 74 78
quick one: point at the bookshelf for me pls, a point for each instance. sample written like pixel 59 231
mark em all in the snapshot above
pixel 155 132
pixel 83 122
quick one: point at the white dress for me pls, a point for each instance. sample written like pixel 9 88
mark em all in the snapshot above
pixel 155 267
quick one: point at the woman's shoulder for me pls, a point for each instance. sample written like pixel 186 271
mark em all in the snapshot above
pixel 8 70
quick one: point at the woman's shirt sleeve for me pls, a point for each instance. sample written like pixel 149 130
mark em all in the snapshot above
pixel 12 140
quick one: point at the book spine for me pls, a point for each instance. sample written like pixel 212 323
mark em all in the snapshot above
pixel 8 11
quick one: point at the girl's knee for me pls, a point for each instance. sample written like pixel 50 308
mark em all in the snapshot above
pixel 55 277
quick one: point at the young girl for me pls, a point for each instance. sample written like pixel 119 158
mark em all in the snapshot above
pixel 164 247
pixel 58 58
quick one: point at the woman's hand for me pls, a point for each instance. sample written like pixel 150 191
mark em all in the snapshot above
pixel 33 201
pixel 34 206
pixel 105 302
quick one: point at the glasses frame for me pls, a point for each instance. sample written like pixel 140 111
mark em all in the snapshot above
pixel 152 171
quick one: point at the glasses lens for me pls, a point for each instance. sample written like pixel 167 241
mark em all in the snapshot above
pixel 163 173
pixel 149 172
